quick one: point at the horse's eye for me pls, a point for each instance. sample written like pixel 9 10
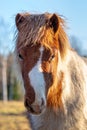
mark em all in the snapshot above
pixel 20 56
pixel 51 58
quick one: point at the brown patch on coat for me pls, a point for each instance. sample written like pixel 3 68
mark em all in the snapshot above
pixel 30 56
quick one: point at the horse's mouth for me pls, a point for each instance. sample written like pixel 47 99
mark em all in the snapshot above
pixel 34 109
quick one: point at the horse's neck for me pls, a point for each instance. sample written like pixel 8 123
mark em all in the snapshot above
pixel 48 120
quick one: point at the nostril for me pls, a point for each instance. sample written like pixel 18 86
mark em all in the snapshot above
pixel 42 103
pixel 28 106
pixel 26 103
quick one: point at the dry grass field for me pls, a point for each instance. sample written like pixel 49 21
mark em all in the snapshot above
pixel 13 116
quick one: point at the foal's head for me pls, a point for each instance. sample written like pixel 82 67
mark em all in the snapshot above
pixel 40 43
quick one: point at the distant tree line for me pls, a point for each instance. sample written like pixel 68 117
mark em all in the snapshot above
pixel 14 89
pixel 10 88
pixel 77 45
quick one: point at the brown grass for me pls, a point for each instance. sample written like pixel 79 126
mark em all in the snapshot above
pixel 13 116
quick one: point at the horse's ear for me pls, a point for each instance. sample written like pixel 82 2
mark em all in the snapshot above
pixel 19 20
pixel 54 22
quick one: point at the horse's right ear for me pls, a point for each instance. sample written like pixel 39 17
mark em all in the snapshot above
pixel 54 22
pixel 19 20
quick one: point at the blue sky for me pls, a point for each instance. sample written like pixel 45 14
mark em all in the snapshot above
pixel 74 10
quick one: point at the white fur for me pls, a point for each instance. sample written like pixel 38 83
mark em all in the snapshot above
pixel 37 81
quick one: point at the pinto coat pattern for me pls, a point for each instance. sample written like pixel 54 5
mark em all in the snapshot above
pixel 53 74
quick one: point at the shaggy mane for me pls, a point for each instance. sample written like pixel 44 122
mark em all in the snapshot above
pixel 35 30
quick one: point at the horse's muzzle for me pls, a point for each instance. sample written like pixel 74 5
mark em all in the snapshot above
pixel 34 109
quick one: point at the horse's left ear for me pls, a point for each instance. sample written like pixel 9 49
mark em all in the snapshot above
pixel 19 20
pixel 54 22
